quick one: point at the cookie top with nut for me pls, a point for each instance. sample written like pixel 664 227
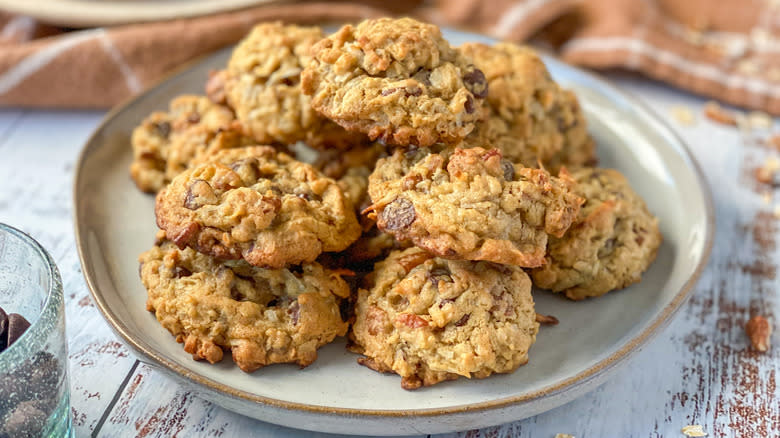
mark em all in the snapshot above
pixel 257 204
pixel 262 83
pixel 165 142
pixel 471 204
pixel 430 319
pixel 262 316
pixel 530 118
pixel 397 80
pixel 612 242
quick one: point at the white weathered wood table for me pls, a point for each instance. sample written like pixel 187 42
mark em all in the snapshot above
pixel 699 370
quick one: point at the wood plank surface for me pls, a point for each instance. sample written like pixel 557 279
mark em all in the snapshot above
pixel 699 370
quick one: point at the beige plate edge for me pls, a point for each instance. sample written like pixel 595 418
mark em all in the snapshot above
pixel 86 13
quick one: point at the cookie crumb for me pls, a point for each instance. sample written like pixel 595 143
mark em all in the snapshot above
pixel 546 319
pixel 694 430
pixel 683 115
pixel 759 120
pixel 742 124
pixel 777 212
pixel 774 142
pixel 716 113
pixel 759 331
pixel 768 173
pixel 766 198
pixel 563 435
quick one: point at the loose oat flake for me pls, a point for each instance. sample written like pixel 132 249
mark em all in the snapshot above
pixel 683 115
pixel 759 120
pixel 694 430
pixel 563 435
pixel 716 113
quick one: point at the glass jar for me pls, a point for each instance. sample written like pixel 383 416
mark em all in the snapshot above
pixel 34 387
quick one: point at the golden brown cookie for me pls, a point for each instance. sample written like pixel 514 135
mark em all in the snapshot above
pixel 397 80
pixel 612 242
pixel 431 319
pixel 262 316
pixel 257 204
pixel 262 83
pixel 471 204
pixel 166 142
pixel 530 118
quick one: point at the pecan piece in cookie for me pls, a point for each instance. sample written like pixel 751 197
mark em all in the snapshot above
pixel 439 319
pixel 261 316
pixel 397 80
pixel 257 204
pixel 529 117
pixel 471 204
pixel 611 243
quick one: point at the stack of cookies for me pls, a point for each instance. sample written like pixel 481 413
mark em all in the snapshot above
pixel 381 184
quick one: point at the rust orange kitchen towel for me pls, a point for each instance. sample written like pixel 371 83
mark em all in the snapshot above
pixel 725 49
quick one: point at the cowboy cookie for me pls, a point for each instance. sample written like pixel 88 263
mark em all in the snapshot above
pixel 529 117
pixel 429 319
pixel 471 204
pixel 262 83
pixel 257 204
pixel 396 80
pixel 166 142
pixel 261 316
pixel 611 243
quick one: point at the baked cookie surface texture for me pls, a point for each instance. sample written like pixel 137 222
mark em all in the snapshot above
pixel 397 80
pixel 257 204
pixel 471 204
pixel 429 319
pixel 261 316
pixel 612 242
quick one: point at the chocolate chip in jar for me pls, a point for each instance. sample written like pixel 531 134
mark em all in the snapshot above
pixel 3 329
pixel 29 392
pixel 12 327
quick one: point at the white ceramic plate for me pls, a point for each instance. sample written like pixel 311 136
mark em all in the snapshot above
pixel 88 13
pixel 115 222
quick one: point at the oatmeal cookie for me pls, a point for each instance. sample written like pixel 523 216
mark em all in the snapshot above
pixel 262 316
pixel 529 117
pixel 397 80
pixel 430 319
pixel 258 204
pixel 165 142
pixel 609 246
pixel 262 83
pixel 471 204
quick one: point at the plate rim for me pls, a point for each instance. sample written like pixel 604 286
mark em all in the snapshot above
pixel 150 356
pixel 81 13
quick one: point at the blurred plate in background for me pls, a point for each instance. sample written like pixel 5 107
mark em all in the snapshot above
pixel 93 13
